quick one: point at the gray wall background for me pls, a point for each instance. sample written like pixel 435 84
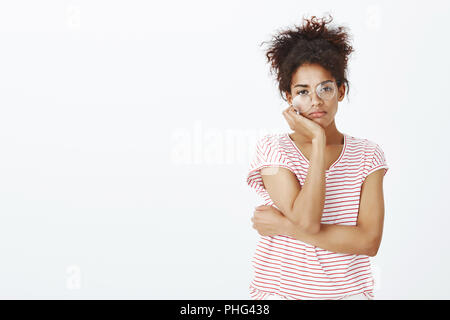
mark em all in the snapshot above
pixel 127 127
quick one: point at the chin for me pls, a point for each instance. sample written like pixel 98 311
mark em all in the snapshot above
pixel 321 123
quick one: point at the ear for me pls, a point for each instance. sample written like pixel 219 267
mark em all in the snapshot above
pixel 288 97
pixel 341 91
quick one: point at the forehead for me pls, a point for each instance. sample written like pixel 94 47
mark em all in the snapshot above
pixel 310 74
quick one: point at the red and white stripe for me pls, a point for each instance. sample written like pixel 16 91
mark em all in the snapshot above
pixel 296 270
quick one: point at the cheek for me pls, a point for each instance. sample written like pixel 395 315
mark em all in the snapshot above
pixel 332 110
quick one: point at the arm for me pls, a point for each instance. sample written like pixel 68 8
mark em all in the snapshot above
pixel 303 206
pixel 365 237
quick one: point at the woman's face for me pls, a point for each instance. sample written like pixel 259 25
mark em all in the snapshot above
pixel 304 81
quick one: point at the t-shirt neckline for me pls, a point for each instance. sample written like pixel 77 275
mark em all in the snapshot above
pixel 306 159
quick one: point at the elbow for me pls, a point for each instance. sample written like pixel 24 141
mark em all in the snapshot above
pixel 372 247
pixel 372 252
pixel 305 224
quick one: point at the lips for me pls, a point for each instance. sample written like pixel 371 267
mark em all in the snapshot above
pixel 317 112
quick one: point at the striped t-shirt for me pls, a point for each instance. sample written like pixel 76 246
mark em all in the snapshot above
pixel 297 270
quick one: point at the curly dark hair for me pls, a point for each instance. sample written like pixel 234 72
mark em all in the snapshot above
pixel 310 43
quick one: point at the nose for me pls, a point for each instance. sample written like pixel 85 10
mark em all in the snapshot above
pixel 315 99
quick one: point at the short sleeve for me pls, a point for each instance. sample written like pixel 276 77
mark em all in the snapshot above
pixel 269 153
pixel 377 161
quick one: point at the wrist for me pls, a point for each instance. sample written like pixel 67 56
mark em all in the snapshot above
pixel 293 231
pixel 289 228
pixel 320 139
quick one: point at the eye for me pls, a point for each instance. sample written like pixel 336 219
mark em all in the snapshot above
pixel 326 89
pixel 300 92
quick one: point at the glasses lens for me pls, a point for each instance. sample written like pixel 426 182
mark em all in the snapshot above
pixel 326 91
pixel 302 103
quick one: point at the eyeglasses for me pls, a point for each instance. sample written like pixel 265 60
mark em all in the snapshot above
pixel 326 90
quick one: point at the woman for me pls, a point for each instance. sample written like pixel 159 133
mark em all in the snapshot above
pixel 323 189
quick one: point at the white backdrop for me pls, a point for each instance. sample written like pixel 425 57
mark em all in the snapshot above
pixel 127 127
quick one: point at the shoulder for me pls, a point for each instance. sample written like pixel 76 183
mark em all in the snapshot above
pixel 271 138
pixel 361 141
pixel 273 148
pixel 372 156
pixel 364 145
pixel 273 141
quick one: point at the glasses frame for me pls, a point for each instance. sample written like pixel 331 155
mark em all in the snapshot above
pixel 335 85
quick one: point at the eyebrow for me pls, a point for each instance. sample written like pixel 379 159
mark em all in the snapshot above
pixel 306 86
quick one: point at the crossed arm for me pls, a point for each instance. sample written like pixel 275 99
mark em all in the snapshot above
pixel 364 238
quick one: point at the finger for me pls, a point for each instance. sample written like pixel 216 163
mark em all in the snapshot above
pixel 286 111
pixel 292 109
pixel 289 119
pixel 294 114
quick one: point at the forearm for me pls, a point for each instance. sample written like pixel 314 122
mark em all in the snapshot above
pixel 308 206
pixel 335 238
